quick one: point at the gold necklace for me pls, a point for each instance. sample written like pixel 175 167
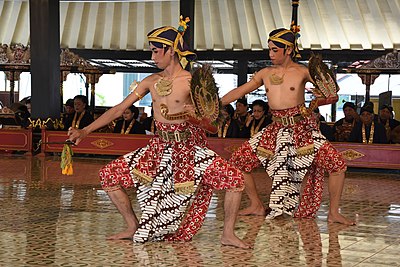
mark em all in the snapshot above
pixel 275 79
pixel 225 131
pixel 255 129
pixel 163 86
pixel 75 124
pixel 371 134
pixel 129 127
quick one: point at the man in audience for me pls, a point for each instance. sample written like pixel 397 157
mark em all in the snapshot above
pixel 241 115
pixel 367 131
pixel 385 117
pixel 343 127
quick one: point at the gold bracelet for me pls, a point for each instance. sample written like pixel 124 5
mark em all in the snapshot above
pixel 138 95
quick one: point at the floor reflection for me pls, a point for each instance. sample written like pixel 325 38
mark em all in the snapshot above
pixel 53 220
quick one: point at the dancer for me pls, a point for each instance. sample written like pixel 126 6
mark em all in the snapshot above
pixel 175 174
pixel 291 148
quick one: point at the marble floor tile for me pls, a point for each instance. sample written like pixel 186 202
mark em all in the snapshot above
pixel 48 219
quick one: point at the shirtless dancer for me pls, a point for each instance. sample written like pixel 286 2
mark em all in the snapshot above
pixel 291 148
pixel 176 167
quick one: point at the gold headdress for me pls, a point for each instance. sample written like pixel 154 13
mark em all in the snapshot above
pixel 169 36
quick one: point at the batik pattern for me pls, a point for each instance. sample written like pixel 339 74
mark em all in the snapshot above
pixel 288 154
pixel 168 212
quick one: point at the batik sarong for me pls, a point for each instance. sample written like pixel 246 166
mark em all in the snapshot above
pixel 174 175
pixel 289 149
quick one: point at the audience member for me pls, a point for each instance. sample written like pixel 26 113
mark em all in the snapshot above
pixel 149 123
pixel 367 131
pixel 21 113
pixel 258 120
pixel 28 103
pixel 343 127
pixel 69 107
pixel 395 135
pixel 325 129
pixel 241 115
pixel 229 127
pixel 129 124
pixel 385 117
pixel 81 117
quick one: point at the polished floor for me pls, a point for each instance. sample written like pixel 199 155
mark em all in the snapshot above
pixel 48 219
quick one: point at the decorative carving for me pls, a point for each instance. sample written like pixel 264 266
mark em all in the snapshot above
pixel 102 143
pixel 351 154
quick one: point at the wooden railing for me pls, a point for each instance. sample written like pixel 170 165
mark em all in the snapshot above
pixel 382 156
pixel 16 139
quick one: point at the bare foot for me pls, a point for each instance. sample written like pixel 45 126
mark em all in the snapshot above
pixel 127 234
pixel 339 218
pixel 234 241
pixel 252 210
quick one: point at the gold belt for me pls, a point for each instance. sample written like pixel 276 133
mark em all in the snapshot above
pixel 176 136
pixel 288 120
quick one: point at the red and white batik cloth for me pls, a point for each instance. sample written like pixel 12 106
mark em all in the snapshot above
pixel 289 153
pixel 174 181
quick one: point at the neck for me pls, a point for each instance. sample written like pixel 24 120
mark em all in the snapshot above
pixel 286 63
pixel 172 70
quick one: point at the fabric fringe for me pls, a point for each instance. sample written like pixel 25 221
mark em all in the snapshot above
pixel 265 153
pixel 142 178
pixel 66 160
pixel 184 188
pixel 306 150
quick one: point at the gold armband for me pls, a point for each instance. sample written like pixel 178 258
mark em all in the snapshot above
pixel 254 79
pixel 133 88
pixel 138 95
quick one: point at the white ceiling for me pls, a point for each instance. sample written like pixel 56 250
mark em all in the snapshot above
pixel 219 24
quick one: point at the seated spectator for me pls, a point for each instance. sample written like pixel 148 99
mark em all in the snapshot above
pixel 241 115
pixel 28 103
pixel 69 108
pixel 149 124
pixel 16 115
pixel 395 135
pixel 367 131
pixel 129 124
pixel 258 120
pixel 21 113
pixel 229 127
pixel 385 117
pixel 343 127
pixel 81 117
pixel 325 129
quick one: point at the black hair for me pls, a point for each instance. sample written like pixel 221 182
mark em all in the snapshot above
pixel 260 103
pixel 83 98
pixel 135 111
pixel 231 111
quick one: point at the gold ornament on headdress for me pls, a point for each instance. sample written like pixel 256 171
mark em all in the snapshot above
pixel 183 25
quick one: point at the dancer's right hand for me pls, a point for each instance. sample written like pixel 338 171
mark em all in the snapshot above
pixel 76 135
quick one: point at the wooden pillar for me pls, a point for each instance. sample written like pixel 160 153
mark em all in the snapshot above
pixel 242 71
pixel 186 8
pixel 45 57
